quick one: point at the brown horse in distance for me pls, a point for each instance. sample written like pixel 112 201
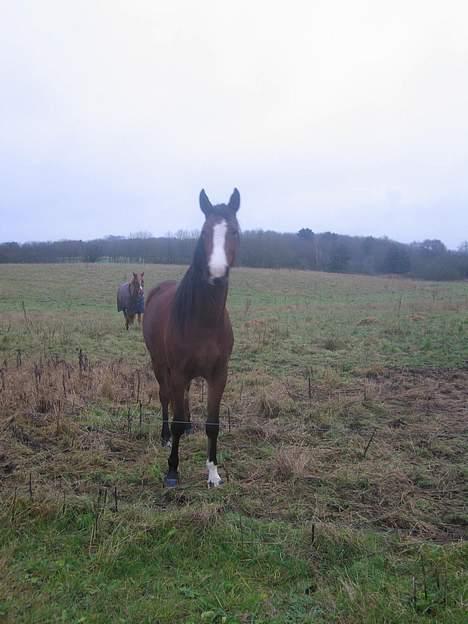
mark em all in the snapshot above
pixel 188 333
pixel 131 299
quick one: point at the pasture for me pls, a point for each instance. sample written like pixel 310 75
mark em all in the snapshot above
pixel 343 450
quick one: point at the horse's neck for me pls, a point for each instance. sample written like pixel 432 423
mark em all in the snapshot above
pixel 208 302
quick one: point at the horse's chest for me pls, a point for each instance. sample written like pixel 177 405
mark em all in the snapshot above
pixel 201 359
pixel 205 357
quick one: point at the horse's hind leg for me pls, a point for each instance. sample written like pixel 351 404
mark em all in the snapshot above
pixel 165 432
pixel 188 426
pixel 215 392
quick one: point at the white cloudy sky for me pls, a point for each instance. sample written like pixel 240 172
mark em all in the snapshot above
pixel 350 116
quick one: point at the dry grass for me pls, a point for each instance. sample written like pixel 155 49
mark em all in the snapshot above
pixel 385 452
pixel 290 463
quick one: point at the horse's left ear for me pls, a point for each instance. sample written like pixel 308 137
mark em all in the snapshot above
pixel 205 203
pixel 234 202
pixel 134 274
pixel 142 274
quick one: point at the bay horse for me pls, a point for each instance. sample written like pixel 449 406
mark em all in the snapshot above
pixel 188 332
pixel 131 299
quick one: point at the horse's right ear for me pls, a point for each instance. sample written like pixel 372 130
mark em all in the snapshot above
pixel 205 203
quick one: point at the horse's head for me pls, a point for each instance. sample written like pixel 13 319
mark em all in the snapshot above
pixel 220 236
pixel 137 285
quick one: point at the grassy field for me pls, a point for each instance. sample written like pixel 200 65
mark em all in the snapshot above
pixel 343 449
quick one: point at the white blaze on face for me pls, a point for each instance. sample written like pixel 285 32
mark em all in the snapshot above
pixel 213 477
pixel 218 262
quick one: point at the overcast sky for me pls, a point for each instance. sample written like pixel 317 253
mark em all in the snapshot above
pixel 349 116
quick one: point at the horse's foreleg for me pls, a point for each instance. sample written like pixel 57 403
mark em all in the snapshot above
pixel 177 429
pixel 215 393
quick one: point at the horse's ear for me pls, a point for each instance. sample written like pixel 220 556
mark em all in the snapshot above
pixel 205 203
pixel 142 274
pixel 234 202
pixel 134 274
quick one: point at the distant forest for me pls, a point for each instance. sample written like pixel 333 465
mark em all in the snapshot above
pixel 429 259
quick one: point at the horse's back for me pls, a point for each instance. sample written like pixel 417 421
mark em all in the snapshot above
pixel 159 290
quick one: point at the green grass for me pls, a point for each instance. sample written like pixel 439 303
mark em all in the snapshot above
pixel 343 505
pixel 212 566
pixel 143 568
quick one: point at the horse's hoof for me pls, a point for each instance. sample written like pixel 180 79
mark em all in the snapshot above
pixel 171 480
pixel 166 443
pixel 214 480
pixel 213 484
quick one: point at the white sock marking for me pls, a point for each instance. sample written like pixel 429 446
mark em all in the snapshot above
pixel 213 477
pixel 218 261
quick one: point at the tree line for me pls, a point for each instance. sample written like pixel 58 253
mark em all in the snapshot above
pixel 429 259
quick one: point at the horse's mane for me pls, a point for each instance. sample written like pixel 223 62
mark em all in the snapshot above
pixel 182 309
